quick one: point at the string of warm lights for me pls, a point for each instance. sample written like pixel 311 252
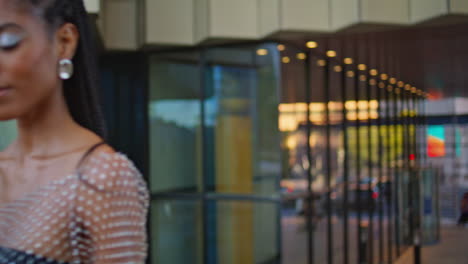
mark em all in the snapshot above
pixel 375 79
pixel 355 108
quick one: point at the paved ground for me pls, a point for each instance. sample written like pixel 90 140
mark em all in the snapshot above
pixel 452 249
pixel 294 236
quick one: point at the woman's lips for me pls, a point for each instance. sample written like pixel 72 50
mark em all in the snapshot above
pixel 4 91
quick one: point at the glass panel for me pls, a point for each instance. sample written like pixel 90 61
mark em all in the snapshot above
pixel 318 148
pixel 337 149
pixel 175 123
pixel 8 133
pixel 353 158
pixel 241 120
pixel 242 232
pixel 294 181
pixel 176 232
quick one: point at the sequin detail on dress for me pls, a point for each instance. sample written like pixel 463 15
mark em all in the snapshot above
pixel 95 216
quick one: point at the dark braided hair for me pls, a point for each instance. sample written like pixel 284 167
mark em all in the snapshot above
pixel 80 90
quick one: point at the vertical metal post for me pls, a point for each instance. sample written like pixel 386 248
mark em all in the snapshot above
pixel 397 133
pixel 344 94
pixel 402 189
pixel 370 166
pixel 279 242
pixel 388 151
pixel 204 202
pixel 413 194
pixel 424 126
pixel 389 170
pixel 406 153
pixel 415 158
pixel 357 94
pixel 309 212
pixel 328 161
pixel 377 85
pixel 380 154
pixel 409 189
pixel 414 122
pixel 396 169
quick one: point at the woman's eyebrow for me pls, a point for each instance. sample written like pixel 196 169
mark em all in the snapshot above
pixel 8 25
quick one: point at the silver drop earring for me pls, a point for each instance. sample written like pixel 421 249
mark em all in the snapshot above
pixel 65 69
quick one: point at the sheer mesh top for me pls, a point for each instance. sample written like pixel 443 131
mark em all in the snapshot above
pixel 95 215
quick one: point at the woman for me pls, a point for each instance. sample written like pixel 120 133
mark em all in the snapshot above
pixel 65 196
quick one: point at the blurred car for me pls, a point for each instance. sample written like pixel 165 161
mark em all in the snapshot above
pixel 361 197
pixel 294 193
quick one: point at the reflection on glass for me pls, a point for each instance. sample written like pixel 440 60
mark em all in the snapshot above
pixel 241 121
pixel 229 118
pixel 176 232
pixel 175 134
pixel 242 232
pixel 241 154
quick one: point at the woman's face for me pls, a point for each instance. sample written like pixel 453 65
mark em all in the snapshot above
pixel 29 57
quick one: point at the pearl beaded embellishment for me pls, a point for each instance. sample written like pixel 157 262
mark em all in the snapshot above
pixel 95 216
